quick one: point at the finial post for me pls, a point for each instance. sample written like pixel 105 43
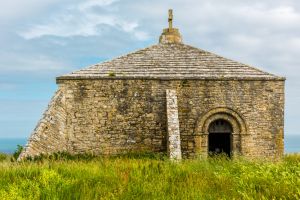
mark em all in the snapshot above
pixel 170 34
pixel 170 19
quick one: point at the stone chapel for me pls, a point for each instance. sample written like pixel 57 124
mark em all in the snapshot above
pixel 169 97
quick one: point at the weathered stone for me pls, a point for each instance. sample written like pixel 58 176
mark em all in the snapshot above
pixel 259 132
pixel 49 135
pixel 174 147
pixel 96 113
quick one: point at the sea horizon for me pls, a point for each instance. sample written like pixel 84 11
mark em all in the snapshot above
pixel 9 145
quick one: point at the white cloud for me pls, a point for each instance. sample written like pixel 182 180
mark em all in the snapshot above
pixel 28 63
pixel 80 20
pixel 92 3
pixel 16 9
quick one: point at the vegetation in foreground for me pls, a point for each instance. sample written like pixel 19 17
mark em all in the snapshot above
pixel 149 177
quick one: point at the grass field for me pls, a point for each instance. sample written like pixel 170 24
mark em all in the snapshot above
pixel 150 178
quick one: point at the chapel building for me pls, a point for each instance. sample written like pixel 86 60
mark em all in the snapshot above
pixel 169 97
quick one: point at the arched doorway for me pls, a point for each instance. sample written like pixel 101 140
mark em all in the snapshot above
pixel 220 137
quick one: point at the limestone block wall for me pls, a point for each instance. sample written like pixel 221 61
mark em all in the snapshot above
pixel 49 135
pixel 174 147
pixel 115 116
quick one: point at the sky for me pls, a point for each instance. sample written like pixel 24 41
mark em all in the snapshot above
pixel 40 40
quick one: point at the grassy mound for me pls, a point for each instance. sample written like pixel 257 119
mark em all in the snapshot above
pixel 148 177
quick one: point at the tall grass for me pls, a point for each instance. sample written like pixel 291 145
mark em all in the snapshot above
pixel 150 178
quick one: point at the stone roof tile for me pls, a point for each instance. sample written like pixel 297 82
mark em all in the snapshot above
pixel 171 61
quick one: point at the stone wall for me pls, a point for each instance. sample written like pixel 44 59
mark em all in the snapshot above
pixel 117 116
pixel 49 136
pixel 174 147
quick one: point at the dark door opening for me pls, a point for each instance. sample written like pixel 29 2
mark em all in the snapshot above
pixel 219 138
pixel 219 143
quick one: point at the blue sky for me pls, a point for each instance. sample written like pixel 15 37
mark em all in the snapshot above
pixel 43 39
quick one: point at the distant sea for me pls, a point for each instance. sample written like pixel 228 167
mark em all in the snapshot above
pixel 9 145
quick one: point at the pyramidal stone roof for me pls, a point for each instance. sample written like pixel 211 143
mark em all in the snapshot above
pixel 171 60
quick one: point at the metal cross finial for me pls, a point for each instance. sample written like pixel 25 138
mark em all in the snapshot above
pixel 170 19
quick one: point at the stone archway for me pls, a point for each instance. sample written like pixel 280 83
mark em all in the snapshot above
pixel 220 137
pixel 237 123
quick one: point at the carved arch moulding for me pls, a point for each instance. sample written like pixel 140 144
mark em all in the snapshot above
pixel 237 122
pixel 239 127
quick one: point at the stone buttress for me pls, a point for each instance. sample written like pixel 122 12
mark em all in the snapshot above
pixel 49 135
